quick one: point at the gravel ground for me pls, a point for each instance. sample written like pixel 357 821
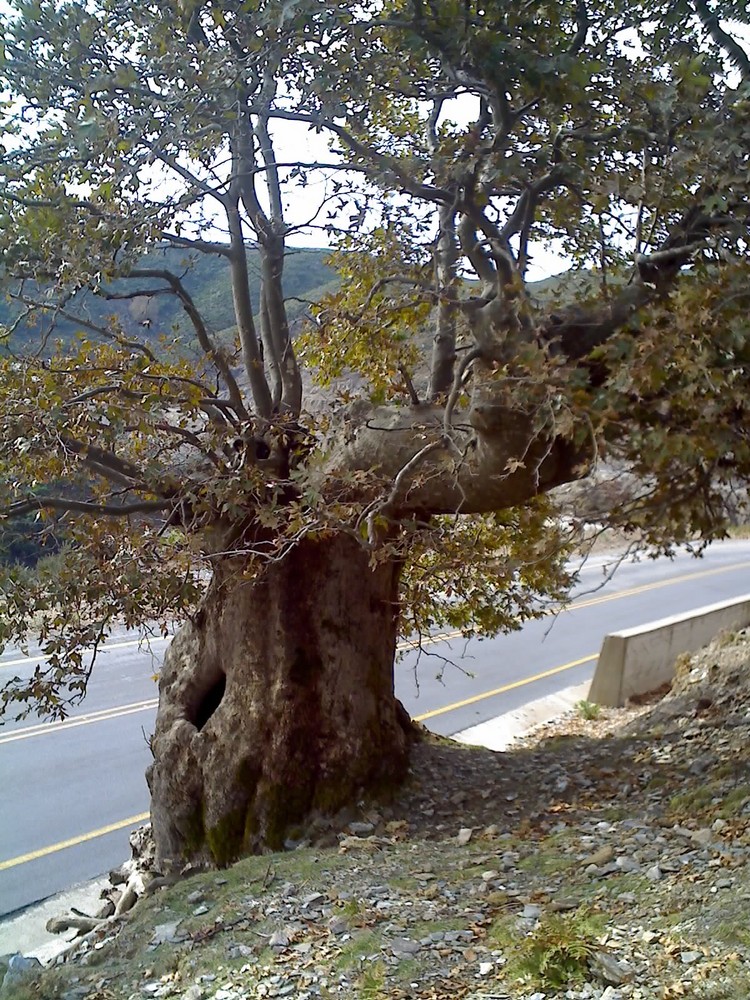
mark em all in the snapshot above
pixel 601 858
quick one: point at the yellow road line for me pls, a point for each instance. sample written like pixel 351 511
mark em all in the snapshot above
pixel 115 712
pixel 22 859
pixel 132 820
pixel 645 587
pixel 44 728
pixel 506 687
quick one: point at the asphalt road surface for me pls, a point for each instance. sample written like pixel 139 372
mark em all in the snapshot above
pixel 70 792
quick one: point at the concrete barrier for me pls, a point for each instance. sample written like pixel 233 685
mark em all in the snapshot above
pixel 638 660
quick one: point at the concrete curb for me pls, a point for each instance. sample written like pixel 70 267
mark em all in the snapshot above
pixel 499 733
pixel 27 933
pixel 638 660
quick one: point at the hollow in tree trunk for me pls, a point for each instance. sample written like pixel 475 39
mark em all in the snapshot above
pixel 277 702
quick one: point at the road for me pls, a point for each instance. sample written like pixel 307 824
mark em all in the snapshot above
pixel 71 792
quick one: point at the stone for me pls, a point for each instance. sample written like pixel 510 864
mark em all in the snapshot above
pixel 563 904
pixel 338 925
pixel 119 876
pixel 626 864
pixel 610 969
pixel 703 838
pixel 690 957
pixel 600 857
pixel 279 939
pixel 485 968
pixel 193 992
pixel 19 969
pixel 360 829
pixel 464 836
pixel 402 947
pixel 166 934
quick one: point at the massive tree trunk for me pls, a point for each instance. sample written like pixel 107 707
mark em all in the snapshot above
pixel 277 702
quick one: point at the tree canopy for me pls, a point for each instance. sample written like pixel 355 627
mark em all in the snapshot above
pixel 441 148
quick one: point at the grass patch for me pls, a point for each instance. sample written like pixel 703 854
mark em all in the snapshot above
pixel 734 801
pixel 557 952
pixel 356 950
pixel 546 864
pixel 693 801
pixel 588 710
pixel 371 984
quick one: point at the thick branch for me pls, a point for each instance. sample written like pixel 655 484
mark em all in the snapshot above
pixel 734 51
pixel 446 277
pixel 506 459
pixel 576 330
pixel 202 246
pixel 243 310
pixel 104 459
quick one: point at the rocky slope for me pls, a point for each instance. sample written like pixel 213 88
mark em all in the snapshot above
pixel 603 858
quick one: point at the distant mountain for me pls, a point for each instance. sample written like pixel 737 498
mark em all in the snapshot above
pixel 307 277
pixel 206 277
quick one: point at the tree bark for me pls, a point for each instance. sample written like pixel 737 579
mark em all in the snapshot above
pixel 277 703
pixel 507 459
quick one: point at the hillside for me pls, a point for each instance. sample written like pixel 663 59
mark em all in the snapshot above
pixel 598 860
pixel 307 276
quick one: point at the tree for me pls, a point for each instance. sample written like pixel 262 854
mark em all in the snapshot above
pixel 462 138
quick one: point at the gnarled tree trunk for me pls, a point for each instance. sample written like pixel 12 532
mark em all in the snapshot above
pixel 277 701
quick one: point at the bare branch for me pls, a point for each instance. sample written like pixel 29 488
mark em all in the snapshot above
pixel 204 338
pixel 389 507
pixel 202 246
pixel 734 51
pixel 458 381
pixel 582 26
pixel 21 507
pixel 191 438
pixel 190 177
pixel 387 164
pixel 413 394
pixel 85 324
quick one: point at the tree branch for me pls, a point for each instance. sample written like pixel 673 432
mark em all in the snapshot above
pixel 204 338
pixel 734 51
pixel 582 26
pixel 21 507
pixel 387 164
